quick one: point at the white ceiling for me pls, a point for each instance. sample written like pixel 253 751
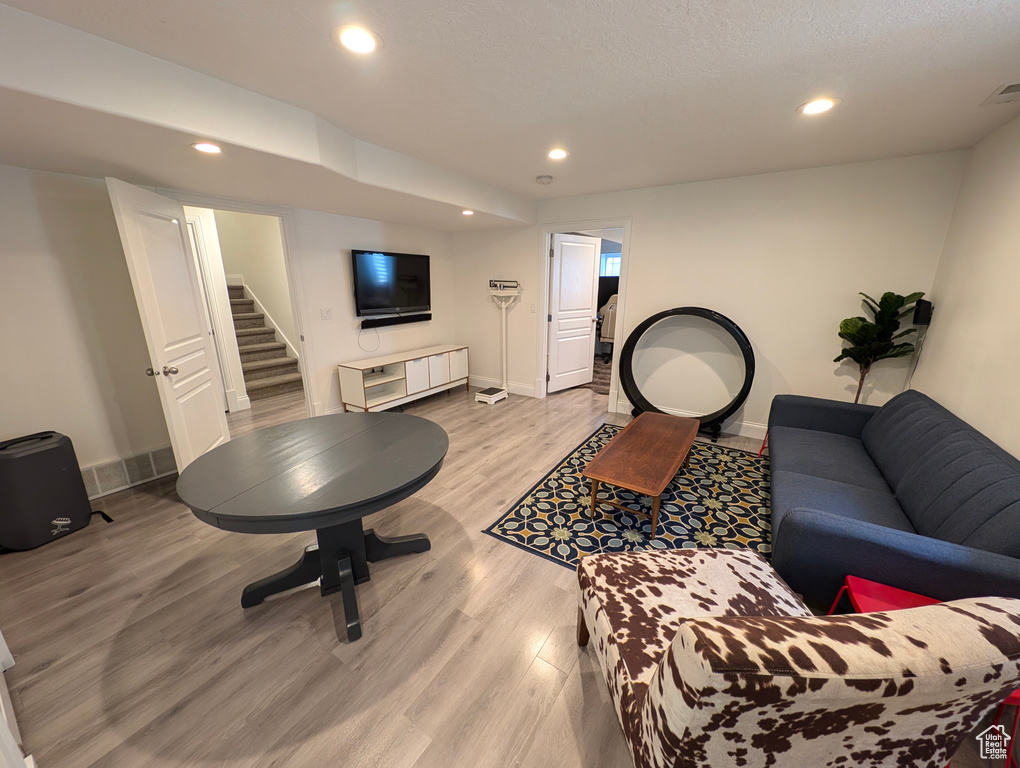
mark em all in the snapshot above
pixel 641 93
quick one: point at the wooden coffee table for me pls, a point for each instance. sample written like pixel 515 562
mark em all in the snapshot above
pixel 643 458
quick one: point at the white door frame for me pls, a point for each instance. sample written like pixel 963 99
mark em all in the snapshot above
pixel 210 264
pixel 546 231
pixel 295 279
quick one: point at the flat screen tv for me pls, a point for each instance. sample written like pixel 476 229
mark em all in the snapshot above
pixel 390 283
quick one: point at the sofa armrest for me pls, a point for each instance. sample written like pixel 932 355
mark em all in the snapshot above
pixel 814 551
pixel 819 414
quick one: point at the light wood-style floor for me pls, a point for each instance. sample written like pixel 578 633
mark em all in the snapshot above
pixel 133 649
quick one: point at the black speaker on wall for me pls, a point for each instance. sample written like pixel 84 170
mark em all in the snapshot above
pixel 922 312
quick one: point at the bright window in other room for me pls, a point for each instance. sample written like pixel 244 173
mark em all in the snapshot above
pixel 610 266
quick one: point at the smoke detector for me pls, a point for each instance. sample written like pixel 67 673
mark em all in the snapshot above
pixel 1003 95
pixel 543 180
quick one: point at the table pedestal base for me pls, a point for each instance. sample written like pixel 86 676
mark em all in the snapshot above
pixel 338 562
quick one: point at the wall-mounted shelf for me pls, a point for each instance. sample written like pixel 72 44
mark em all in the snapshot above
pixel 378 383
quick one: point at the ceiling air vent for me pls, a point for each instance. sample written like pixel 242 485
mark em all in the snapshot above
pixel 1003 94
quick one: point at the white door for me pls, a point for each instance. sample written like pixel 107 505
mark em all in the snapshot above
pixel 166 283
pixel 572 309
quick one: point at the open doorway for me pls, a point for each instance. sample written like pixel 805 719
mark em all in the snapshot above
pixel 583 307
pixel 243 266
pixel 610 258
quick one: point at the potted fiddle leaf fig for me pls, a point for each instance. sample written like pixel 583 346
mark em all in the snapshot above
pixel 876 339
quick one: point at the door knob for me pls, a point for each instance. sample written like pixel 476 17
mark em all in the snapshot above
pixel 150 372
pixel 167 370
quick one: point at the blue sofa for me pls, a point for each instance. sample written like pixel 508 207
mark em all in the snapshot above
pixel 906 494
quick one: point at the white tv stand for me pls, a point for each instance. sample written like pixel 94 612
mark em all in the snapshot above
pixel 387 381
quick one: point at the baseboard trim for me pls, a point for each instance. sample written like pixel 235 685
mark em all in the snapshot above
pixel 514 387
pixel 128 471
pixel 235 403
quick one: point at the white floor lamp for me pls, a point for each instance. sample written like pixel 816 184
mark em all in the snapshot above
pixel 504 293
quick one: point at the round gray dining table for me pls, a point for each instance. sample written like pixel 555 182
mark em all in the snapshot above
pixel 323 474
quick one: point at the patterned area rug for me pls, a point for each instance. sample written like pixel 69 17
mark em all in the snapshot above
pixel 721 501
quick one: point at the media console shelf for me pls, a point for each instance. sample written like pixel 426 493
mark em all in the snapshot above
pixel 387 381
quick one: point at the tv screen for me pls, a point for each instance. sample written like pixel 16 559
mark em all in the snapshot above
pixel 390 283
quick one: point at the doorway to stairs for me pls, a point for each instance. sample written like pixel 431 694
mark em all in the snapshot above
pixel 248 298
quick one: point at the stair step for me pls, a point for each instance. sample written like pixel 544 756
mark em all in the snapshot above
pixel 243 333
pixel 264 346
pixel 238 306
pixel 258 336
pixel 236 291
pixel 249 320
pixel 256 370
pixel 257 365
pixel 274 385
pixel 264 351
pixel 273 381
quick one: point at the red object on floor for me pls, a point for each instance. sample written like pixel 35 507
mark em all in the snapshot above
pixel 870 596
pixel 1013 700
pixel 763 444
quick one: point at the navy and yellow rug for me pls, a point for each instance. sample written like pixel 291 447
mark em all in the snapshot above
pixel 721 501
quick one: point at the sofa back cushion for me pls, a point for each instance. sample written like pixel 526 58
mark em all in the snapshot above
pixel 904 430
pixel 952 482
pixel 902 687
pixel 967 491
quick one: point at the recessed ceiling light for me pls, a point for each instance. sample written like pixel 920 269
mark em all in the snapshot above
pixel 817 106
pixel 209 149
pixel 557 154
pixel 357 39
pixel 466 212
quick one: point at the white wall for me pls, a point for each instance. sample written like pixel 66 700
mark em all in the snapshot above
pixel 321 254
pixel 252 245
pixel 969 362
pixel 74 354
pixel 507 254
pixel 781 254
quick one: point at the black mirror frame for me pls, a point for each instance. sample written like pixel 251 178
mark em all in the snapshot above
pixel 712 422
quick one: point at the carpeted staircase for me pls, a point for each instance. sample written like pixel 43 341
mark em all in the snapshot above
pixel 267 369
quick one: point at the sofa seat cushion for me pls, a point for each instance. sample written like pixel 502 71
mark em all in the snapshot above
pixel 825 455
pixel 792 490
pixel 634 602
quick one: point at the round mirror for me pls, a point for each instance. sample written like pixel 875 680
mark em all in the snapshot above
pixel 690 360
